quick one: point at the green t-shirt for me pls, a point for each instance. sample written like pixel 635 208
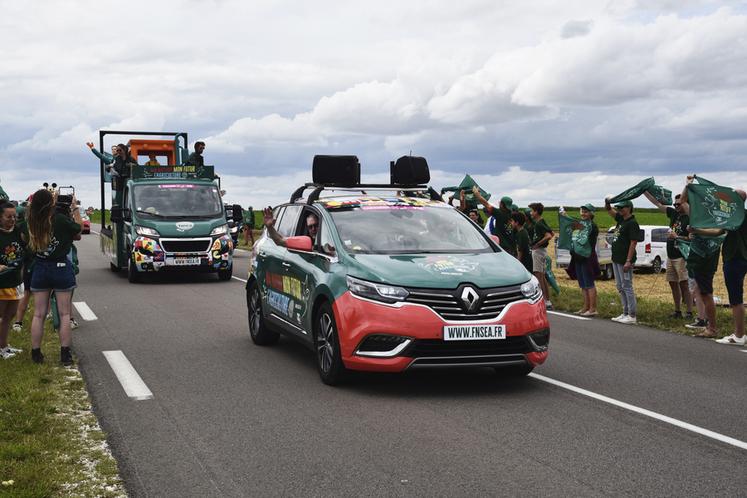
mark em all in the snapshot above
pixel 735 243
pixel 678 223
pixel 64 229
pixel 625 232
pixel 523 246
pixel 12 251
pixel 540 229
pixel 502 228
pixel 249 218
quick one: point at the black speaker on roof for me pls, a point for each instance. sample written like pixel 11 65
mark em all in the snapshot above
pixel 341 171
pixel 410 170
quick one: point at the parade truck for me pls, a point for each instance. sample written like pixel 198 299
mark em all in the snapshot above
pixel 165 216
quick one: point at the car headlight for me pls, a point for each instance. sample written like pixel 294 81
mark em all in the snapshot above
pixel 148 232
pixel 221 230
pixel 377 292
pixel 532 290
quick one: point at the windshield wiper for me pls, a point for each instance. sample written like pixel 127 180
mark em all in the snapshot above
pixel 150 214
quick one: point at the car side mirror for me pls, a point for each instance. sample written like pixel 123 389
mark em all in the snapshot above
pixel 300 243
pixel 116 214
pixel 238 214
pixel 127 215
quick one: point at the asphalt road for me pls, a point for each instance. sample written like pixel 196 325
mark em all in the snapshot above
pixel 228 418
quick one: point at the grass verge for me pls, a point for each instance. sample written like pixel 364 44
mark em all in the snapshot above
pixel 50 441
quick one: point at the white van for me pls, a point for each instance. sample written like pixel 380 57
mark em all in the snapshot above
pixel 651 254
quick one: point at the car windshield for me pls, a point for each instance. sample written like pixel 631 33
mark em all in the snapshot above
pixel 399 228
pixel 176 200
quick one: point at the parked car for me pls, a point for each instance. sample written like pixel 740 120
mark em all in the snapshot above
pixel 651 254
pixel 381 289
pixel 86 222
pixel 604 255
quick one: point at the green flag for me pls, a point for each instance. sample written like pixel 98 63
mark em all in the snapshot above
pixel 466 186
pixel 634 192
pixel 661 194
pixel 714 206
pixel 574 235
pixel 3 195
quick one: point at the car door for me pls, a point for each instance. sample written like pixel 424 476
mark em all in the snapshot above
pixel 277 302
pixel 306 270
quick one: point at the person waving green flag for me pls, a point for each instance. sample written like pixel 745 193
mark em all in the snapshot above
pixel 574 234
pixel 714 206
pixel 466 187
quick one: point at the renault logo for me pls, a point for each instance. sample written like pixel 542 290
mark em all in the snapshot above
pixel 470 298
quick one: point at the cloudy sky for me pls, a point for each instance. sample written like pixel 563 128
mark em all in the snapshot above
pixel 561 102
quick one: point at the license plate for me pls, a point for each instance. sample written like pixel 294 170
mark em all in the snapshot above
pixel 183 261
pixel 469 332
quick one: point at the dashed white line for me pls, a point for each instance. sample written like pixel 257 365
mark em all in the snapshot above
pixel 569 316
pixel 239 279
pixel 642 411
pixel 127 376
pixel 85 312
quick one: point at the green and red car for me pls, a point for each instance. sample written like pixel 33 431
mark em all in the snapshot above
pixel 393 281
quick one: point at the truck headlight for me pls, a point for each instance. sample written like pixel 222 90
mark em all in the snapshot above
pixel 221 230
pixel 532 290
pixel 378 292
pixel 148 232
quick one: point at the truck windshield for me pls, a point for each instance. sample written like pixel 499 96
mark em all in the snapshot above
pixel 177 200
pixel 399 229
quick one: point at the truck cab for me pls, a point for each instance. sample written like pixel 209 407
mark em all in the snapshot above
pixel 165 216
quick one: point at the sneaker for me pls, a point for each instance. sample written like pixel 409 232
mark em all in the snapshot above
pixel 17 327
pixel 66 357
pixel 620 318
pixel 733 340
pixel 689 315
pixel 37 356
pixel 73 324
pixel 5 354
pixel 13 350
pixel 628 320
pixel 676 315
pixel 697 324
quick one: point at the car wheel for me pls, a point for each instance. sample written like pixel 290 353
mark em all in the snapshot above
pixel 132 274
pixel 656 265
pixel 260 334
pixel 609 273
pixel 226 274
pixel 327 346
pixel 514 370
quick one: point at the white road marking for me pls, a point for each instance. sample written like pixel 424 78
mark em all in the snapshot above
pixel 84 311
pixel 569 316
pixel 127 375
pixel 239 279
pixel 743 350
pixel 95 232
pixel 648 413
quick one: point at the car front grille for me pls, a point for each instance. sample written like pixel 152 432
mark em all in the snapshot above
pixel 192 245
pixel 435 348
pixel 450 305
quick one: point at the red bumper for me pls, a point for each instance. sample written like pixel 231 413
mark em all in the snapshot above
pixel 357 318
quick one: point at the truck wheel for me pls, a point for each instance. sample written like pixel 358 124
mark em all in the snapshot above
pixel 656 265
pixel 261 335
pixel 224 275
pixel 327 346
pixel 132 274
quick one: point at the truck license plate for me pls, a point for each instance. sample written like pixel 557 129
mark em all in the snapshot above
pixel 183 261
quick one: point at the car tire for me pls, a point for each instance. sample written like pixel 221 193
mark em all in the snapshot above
pixel 224 275
pixel 609 273
pixel 515 370
pixel 327 346
pixel 132 274
pixel 259 332
pixel 656 265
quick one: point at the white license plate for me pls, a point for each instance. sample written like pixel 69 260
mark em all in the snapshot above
pixel 183 261
pixel 471 332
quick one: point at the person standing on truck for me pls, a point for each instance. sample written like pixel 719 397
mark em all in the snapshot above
pixel 50 238
pixel 500 221
pixel 676 264
pixel 195 158
pixel 104 156
pixel 152 161
pixel 624 240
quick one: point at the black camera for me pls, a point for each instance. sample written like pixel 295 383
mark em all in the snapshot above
pixel 65 200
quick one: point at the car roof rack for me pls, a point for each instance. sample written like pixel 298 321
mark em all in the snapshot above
pixel 363 187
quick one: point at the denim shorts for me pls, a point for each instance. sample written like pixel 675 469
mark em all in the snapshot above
pixel 584 275
pixel 52 275
pixel 734 272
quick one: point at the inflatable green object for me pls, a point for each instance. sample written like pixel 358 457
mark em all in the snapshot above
pixel 550 276
pixel 466 186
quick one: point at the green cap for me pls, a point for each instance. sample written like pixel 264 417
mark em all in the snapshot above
pixel 507 201
pixel 589 207
pixel 623 204
pixel 514 207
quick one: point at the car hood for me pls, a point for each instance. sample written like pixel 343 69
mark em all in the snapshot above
pixel 440 271
pixel 181 228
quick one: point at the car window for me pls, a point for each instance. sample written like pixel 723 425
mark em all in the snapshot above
pixel 642 235
pixel 659 235
pixel 288 222
pixel 326 243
